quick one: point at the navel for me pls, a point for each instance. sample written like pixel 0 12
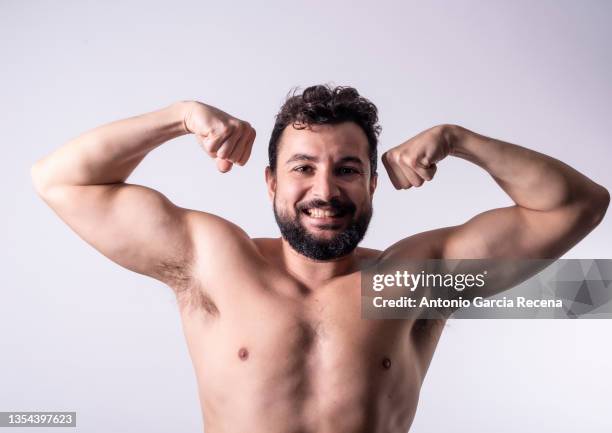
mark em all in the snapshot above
pixel 386 363
pixel 243 354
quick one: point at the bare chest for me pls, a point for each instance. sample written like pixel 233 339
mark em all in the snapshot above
pixel 289 352
pixel 282 320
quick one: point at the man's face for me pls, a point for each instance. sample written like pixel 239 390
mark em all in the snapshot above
pixel 322 190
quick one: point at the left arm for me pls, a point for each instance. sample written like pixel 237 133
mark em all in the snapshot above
pixel 555 205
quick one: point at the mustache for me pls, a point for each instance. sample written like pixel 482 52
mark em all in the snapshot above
pixel 336 205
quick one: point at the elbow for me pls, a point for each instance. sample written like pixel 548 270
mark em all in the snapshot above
pixel 39 178
pixel 598 205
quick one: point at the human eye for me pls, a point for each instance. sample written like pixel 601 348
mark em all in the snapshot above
pixel 348 171
pixel 303 169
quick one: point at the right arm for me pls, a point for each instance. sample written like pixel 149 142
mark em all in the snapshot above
pixel 84 182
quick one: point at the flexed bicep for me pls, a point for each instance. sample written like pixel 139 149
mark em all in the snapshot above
pixel 134 226
pixel 515 242
pixel 84 182
pixel 517 232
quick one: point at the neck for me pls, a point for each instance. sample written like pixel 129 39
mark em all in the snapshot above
pixel 316 271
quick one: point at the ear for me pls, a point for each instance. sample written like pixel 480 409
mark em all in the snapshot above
pixel 373 183
pixel 271 182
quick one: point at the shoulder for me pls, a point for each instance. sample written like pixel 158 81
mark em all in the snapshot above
pixel 368 254
pixel 218 242
pixel 268 248
pixel 424 245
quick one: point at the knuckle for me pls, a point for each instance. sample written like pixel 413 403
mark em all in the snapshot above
pixel 397 157
pixel 210 143
pixel 408 159
pixel 228 130
pixel 223 128
pixel 222 152
pixel 207 145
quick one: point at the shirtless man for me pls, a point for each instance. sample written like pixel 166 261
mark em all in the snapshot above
pixel 274 325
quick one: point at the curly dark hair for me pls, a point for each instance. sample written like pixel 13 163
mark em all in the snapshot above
pixel 323 104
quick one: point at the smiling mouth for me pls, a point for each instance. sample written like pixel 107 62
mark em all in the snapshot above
pixel 325 218
pixel 322 213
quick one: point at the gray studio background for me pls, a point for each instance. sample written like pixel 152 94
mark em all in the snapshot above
pixel 79 333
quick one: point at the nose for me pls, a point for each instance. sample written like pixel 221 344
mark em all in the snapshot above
pixel 324 186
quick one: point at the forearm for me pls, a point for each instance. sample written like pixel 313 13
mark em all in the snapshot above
pixel 109 153
pixel 533 180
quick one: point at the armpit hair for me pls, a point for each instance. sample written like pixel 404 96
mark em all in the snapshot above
pixel 428 328
pixel 189 293
pixel 176 275
pixel 196 299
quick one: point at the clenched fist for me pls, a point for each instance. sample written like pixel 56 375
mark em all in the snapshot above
pixel 414 161
pixel 227 139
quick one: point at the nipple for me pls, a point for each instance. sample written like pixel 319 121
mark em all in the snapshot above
pixel 243 354
pixel 386 363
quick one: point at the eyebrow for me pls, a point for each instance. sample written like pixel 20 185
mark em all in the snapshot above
pixel 305 157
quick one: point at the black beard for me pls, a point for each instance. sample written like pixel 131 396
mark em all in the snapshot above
pixel 324 249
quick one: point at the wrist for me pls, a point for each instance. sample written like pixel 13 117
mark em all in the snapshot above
pixel 454 136
pixel 181 110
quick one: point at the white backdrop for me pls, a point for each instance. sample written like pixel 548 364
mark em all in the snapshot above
pixel 80 333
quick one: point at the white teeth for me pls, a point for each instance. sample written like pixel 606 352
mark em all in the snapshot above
pixel 320 213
